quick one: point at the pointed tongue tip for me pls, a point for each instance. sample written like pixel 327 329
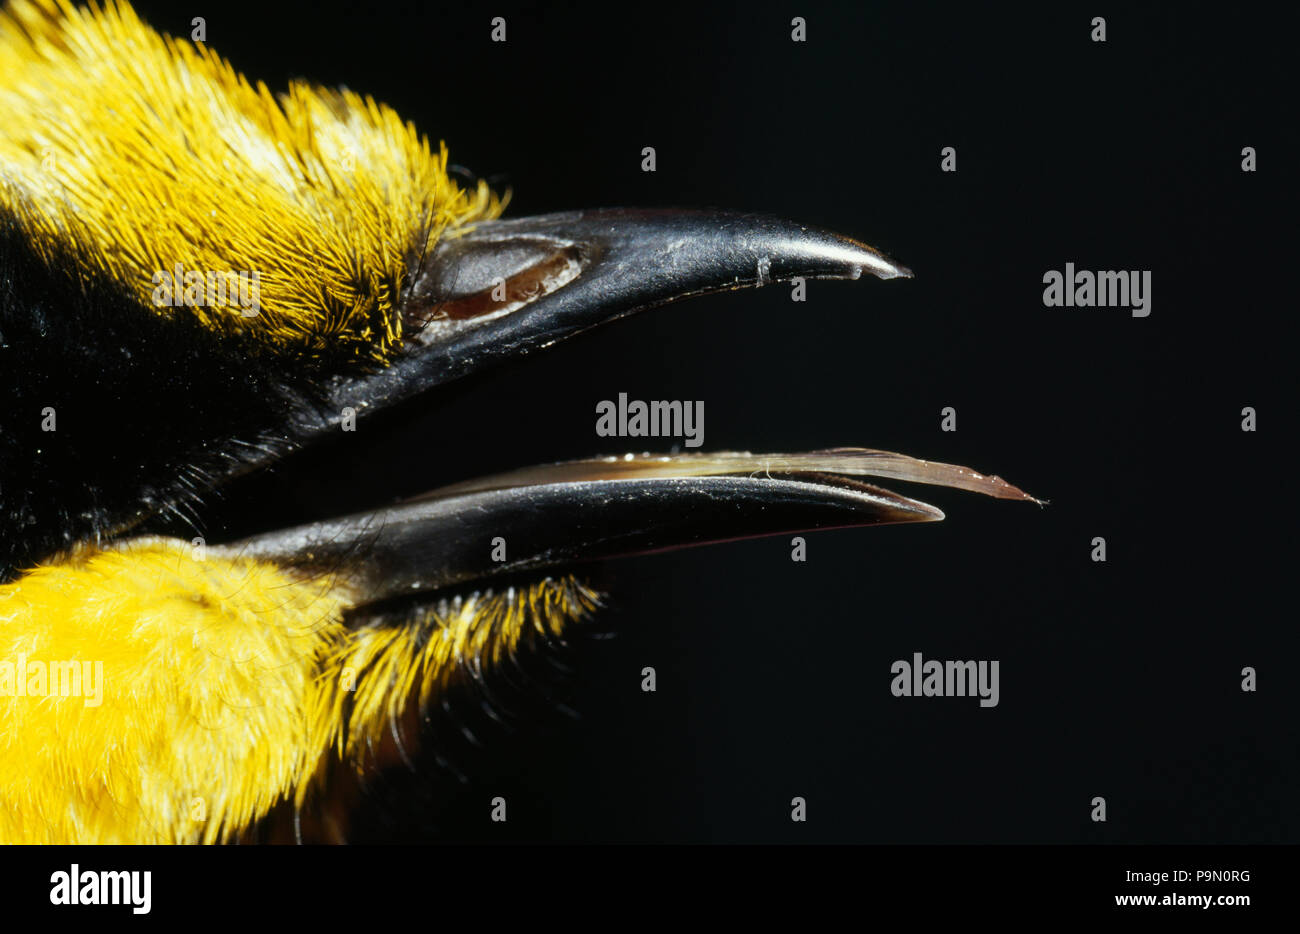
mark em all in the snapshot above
pixel 1001 489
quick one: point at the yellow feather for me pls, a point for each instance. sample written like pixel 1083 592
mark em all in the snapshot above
pixel 226 686
pixel 213 688
pixel 126 154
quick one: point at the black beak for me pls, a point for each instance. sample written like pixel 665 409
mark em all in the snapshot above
pixel 559 515
pixel 506 288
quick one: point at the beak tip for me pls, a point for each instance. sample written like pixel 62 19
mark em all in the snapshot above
pixel 885 268
pixel 924 513
pixel 895 271
pixel 864 258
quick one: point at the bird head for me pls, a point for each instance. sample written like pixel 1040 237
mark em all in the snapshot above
pixel 199 277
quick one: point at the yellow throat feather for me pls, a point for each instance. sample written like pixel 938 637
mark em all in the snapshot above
pixel 225 686
pixel 213 687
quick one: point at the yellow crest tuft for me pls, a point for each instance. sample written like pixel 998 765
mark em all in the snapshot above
pixel 134 156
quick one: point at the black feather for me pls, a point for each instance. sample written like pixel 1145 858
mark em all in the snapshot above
pixel 149 409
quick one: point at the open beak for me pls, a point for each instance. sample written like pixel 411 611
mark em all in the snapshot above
pixel 506 288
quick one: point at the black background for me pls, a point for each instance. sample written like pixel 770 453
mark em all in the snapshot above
pixel 1119 679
